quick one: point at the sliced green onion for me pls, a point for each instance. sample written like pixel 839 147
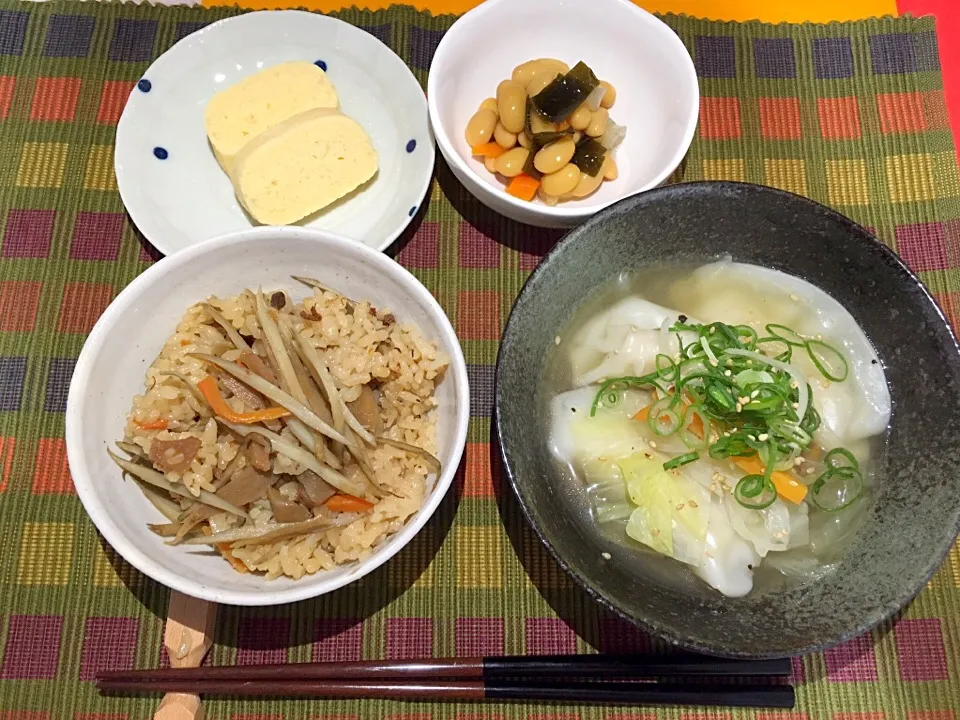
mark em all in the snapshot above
pixel 666 368
pixel 829 361
pixel 749 402
pixel 681 460
pixel 609 392
pixel 782 351
pixel 733 446
pixel 811 421
pixel 745 331
pixel 690 438
pixel 837 488
pixel 787 335
pixel 753 377
pixel 708 351
pixel 755 492
pixel 662 418
pixel 840 458
pixel 722 397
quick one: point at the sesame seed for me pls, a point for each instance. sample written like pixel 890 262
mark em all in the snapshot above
pixel 809 471
pixel 796 406
pixel 606 555
pixel 602 458
pixel 752 437
pixel 794 297
pixel 793 483
pixel 754 393
pixel 763 437
pixel 793 384
pixel 712 330
pixel 727 373
pixel 679 506
pixel 556 340
pixel 655 532
pixel 749 361
pixel 653 445
pixel 739 407
pixel 798 461
pixel 825 384
pixel 648 456
pixel 693 504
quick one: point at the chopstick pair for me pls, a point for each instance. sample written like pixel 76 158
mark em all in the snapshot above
pixel 622 679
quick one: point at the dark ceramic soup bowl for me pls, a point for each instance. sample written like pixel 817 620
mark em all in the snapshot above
pixel 915 512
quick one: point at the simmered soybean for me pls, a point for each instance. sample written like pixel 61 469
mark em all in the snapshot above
pixel 562 181
pixel 539 82
pixel 580 118
pixel 504 137
pixel 525 72
pixel 610 171
pixel 511 163
pixel 609 95
pixel 586 184
pixel 512 105
pixel 555 155
pixel 481 126
pixel 598 122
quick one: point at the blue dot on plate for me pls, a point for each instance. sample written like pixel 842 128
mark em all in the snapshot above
pixel 413 210
pixel 160 153
pixel 321 64
pixel 145 85
pixel 411 146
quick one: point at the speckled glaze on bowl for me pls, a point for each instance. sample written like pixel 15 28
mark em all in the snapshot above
pixel 916 514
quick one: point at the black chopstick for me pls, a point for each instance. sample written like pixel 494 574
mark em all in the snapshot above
pixel 478 668
pixel 526 689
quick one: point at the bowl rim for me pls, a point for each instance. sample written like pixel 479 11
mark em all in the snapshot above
pixel 129 550
pixel 126 178
pixel 876 615
pixel 558 212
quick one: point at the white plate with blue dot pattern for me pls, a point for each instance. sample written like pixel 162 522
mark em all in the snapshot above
pixel 169 180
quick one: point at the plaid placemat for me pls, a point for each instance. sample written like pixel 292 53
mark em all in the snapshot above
pixel 850 114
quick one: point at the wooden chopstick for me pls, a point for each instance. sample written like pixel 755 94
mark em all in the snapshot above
pixel 485 668
pixel 526 689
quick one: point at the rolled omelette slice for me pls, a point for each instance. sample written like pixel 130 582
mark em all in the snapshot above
pixel 303 165
pixel 241 112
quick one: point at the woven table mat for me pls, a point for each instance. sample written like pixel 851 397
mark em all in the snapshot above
pixel 850 114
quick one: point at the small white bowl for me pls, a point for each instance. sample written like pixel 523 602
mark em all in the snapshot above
pixel 169 180
pixel 126 340
pixel 658 99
